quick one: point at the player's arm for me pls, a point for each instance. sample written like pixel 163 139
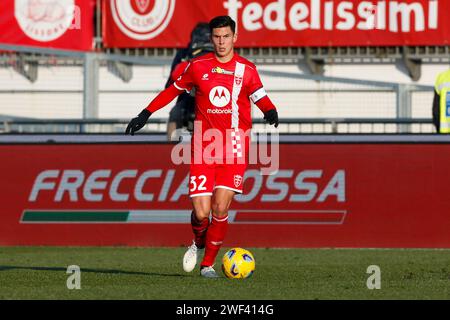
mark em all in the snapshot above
pixel 176 61
pixel 183 83
pixel 161 100
pixel 260 98
pixel 263 102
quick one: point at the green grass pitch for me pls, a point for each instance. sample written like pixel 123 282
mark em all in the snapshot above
pixel 156 273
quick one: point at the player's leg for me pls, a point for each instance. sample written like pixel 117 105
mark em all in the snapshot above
pixel 201 182
pixel 228 180
pixel 199 223
pixel 200 219
pixel 217 230
pixel 200 191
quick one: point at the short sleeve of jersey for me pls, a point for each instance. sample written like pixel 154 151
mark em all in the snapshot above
pixel 186 80
pixel 179 70
pixel 255 87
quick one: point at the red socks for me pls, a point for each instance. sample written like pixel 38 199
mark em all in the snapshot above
pixel 214 238
pixel 199 228
pixel 209 235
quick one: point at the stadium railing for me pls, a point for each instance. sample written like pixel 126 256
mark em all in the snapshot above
pixel 287 126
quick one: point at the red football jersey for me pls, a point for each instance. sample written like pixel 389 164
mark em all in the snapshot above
pixel 178 70
pixel 222 92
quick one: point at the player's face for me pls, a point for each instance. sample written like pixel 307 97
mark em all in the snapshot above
pixel 223 40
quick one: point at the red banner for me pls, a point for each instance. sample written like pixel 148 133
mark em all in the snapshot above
pixel 280 23
pixel 62 24
pixel 324 195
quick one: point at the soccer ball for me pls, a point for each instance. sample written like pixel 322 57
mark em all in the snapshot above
pixel 238 263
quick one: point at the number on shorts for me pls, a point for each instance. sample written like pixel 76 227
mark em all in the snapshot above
pixel 201 186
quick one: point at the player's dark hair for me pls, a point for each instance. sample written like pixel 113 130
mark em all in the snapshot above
pixel 222 21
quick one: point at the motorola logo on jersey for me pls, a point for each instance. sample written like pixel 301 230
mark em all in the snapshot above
pixel 142 19
pixel 220 111
pixel 219 96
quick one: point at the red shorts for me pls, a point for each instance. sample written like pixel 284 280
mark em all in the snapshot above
pixel 204 178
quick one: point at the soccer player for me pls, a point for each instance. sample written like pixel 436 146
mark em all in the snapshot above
pixel 182 113
pixel 225 83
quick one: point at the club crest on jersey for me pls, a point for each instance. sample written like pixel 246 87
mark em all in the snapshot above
pixel 237 180
pixel 219 96
pixel 221 71
pixel 238 80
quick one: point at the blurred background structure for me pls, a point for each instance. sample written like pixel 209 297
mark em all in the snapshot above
pixel 358 163
pixel 97 72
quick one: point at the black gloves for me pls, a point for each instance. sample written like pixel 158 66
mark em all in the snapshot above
pixel 271 117
pixel 137 123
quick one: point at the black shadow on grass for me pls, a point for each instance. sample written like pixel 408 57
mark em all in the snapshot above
pixel 106 271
